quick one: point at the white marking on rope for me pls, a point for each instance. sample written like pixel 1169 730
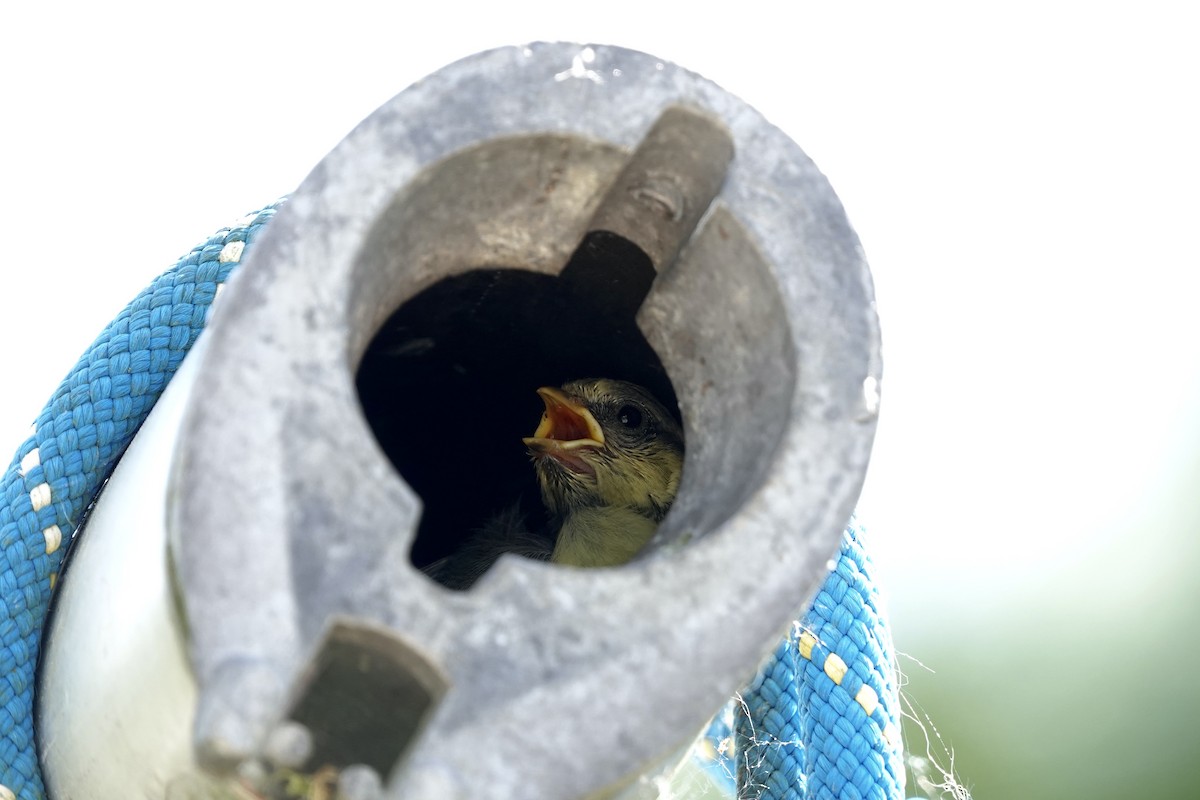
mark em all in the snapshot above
pixel 807 643
pixel 868 699
pixel 835 668
pixel 40 496
pixel 32 459
pixel 53 536
pixel 6 793
pixel 244 222
pixel 231 253
pixel 891 735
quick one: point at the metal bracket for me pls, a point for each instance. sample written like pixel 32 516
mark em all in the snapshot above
pixel 292 530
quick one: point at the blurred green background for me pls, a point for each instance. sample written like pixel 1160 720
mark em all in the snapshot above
pixel 1024 180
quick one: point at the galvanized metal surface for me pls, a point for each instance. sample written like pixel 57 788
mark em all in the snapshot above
pixel 550 682
pixel 667 184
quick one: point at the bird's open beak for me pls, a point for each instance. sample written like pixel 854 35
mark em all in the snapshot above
pixel 567 430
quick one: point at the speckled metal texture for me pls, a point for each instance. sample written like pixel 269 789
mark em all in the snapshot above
pixel 542 682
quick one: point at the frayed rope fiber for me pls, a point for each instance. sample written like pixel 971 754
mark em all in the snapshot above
pixel 78 437
pixel 819 721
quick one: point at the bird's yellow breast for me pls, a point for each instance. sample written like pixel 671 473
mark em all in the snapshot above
pixel 603 536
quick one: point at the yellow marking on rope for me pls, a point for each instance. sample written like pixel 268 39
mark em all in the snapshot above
pixel 231 253
pixel 40 496
pixel 6 793
pixel 53 583
pixel 867 698
pixel 53 536
pixel 807 643
pixel 32 459
pixel 835 668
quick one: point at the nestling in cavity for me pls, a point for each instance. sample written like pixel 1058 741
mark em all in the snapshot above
pixel 608 458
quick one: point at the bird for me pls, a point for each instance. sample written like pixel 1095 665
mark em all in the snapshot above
pixel 608 458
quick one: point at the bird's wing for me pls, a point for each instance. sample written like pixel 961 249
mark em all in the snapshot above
pixel 506 532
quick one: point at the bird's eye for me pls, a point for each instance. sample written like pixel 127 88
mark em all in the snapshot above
pixel 630 417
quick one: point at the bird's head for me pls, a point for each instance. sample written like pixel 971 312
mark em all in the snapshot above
pixel 606 443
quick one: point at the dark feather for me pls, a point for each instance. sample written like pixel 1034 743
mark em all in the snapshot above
pixel 506 532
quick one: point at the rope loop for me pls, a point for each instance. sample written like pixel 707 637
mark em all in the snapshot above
pixel 74 444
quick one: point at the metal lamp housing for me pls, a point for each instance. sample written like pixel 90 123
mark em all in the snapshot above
pixel 290 530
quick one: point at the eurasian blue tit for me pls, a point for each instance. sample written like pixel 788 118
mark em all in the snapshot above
pixel 608 458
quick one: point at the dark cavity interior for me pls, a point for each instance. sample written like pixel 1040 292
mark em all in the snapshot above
pixel 449 382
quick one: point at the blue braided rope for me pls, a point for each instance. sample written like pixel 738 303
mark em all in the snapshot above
pixel 76 440
pixel 821 720
pixel 767 739
pixel 811 691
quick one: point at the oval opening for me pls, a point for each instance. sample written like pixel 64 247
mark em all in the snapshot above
pixel 449 385
pixel 460 314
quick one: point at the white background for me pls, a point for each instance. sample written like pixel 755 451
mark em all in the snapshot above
pixel 1024 179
